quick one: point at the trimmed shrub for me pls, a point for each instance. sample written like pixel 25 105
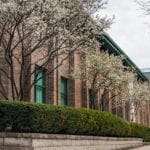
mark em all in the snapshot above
pixel 42 118
pixel 137 130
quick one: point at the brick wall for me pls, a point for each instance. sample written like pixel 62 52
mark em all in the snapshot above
pixel 77 89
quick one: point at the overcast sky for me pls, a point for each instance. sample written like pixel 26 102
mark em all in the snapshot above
pixel 130 30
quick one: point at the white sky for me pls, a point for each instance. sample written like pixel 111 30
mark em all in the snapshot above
pixel 130 30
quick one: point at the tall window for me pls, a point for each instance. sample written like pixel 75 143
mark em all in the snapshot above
pixel 64 91
pixel 90 98
pixel 40 85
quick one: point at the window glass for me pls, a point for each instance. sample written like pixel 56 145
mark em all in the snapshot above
pixel 40 85
pixel 64 92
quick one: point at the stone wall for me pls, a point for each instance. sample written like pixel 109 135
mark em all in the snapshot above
pixel 29 141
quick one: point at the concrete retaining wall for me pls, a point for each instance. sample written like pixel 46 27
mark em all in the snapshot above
pixel 34 141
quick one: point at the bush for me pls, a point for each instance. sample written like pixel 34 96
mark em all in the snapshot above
pixel 42 118
pixel 137 130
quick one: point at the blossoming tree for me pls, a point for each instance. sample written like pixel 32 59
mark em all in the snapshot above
pixel 102 71
pixel 43 28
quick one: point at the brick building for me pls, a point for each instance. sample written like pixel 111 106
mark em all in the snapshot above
pixel 143 114
pixel 64 90
pixel 59 88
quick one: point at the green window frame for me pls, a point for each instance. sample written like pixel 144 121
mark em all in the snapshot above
pixel 40 85
pixel 64 91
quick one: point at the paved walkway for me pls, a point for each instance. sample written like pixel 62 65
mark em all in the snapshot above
pixel 146 147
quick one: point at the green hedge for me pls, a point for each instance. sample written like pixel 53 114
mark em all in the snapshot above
pixel 42 118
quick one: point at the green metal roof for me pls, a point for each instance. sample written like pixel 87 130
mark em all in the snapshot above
pixel 112 47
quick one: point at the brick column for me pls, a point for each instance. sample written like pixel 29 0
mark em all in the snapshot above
pixel 71 82
pixel 84 95
pixel 50 78
pixel 4 79
pixel 26 80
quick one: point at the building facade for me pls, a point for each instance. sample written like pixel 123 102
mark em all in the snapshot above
pixel 55 85
pixel 129 112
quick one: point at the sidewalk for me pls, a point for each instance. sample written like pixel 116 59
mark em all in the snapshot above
pixel 146 147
